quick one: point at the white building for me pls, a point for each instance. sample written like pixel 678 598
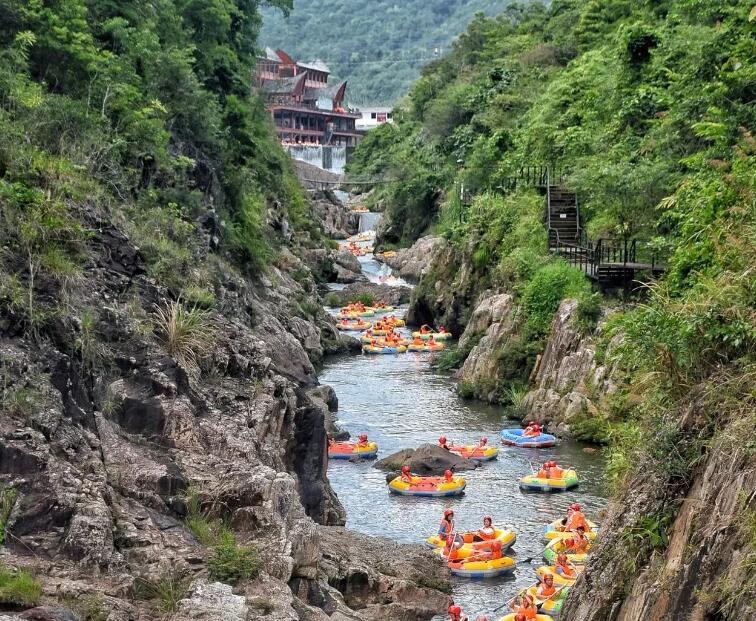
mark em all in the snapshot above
pixel 373 117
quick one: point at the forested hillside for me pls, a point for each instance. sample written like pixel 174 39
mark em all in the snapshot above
pixel 646 111
pixel 379 47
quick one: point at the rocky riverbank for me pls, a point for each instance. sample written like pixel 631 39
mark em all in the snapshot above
pixel 125 450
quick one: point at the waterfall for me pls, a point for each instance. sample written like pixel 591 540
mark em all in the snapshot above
pixel 368 221
pixel 322 156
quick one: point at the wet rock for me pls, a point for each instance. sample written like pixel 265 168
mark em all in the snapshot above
pixel 425 460
pixel 393 295
pixel 411 263
pixel 337 219
pixel 48 613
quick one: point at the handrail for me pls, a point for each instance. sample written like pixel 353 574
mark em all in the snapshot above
pixel 548 200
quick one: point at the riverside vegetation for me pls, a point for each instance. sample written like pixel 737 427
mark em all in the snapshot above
pixel 162 451
pixel 647 109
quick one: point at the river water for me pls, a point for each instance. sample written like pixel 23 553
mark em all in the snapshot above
pixel 400 402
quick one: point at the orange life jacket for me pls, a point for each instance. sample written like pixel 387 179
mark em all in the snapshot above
pixel 580 545
pixel 556 472
pixel 545 591
pixel 542 474
pixel 565 570
pixel 487 536
pixel 577 519
pixel 530 612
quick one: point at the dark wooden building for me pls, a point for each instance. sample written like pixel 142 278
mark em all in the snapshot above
pixel 306 110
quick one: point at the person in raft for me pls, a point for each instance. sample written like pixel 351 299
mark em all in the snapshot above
pixel 532 430
pixel 483 441
pixel 417 341
pixel 362 440
pixel 431 341
pixel 574 519
pixel 546 587
pixel 446 526
pixel 425 329
pixel 488 555
pixel 488 532
pixel 524 605
pixel 579 544
pixel 406 474
pixel 452 547
pixel 456 614
pixel 443 444
pixel 564 568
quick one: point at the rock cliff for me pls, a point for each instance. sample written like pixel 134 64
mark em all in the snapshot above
pixel 113 426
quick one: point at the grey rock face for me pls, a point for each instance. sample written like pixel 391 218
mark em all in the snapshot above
pixel 411 263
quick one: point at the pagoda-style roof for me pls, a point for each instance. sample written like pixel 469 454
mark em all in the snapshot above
pixel 270 54
pixel 315 65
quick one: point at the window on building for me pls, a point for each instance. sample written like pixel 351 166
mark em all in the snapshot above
pixel 373 115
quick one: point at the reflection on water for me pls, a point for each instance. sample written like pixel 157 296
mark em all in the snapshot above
pixel 400 402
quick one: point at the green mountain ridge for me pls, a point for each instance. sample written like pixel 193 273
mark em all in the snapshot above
pixel 379 47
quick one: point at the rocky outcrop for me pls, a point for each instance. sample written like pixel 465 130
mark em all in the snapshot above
pixel 705 570
pixel 392 295
pixel 569 383
pixel 380 588
pixel 426 459
pixel 347 267
pixel 338 221
pixel 412 263
pixel 490 327
pixel 110 424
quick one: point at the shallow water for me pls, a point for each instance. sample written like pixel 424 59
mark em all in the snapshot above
pixel 401 402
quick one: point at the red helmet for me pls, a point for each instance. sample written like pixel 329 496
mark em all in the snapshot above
pixel 363 437
pixel 448 512
pixel 569 542
pixel 520 617
pixel 455 610
pixel 487 517
pixel 448 474
pixel 576 507
pixel 483 441
pixel 442 440
pixel 405 469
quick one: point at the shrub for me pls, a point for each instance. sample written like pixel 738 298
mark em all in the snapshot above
pixel 185 331
pixel 18 588
pixel 453 358
pixel 165 591
pixel 232 563
pixel 199 296
pixel 88 607
pixel 588 312
pixel 550 285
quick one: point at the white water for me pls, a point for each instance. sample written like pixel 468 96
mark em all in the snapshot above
pixel 322 156
pixel 369 222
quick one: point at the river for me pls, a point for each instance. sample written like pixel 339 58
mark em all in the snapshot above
pixel 400 401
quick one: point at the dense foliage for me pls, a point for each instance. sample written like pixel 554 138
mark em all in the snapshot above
pixel 141 115
pixel 379 46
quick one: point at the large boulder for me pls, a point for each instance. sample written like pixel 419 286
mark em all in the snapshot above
pixel 413 262
pixel 426 459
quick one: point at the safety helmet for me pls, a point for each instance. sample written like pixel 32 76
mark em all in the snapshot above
pixel 363 436
pixel 455 610
pixel 569 542
pixel 487 517
pixel 448 474
pixel 448 512
pixel 405 469
pixel 575 507
pixel 442 440
pixel 520 617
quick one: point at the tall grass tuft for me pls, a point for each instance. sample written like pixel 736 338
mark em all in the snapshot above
pixel 185 332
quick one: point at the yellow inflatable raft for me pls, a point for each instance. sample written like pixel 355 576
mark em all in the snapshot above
pixel 353 326
pixel 535 483
pixel 507 538
pixel 559 546
pixel 550 531
pixel 559 579
pixel 428 486
pixel 438 336
pixel 511 617
pixel 475 451
pixel 475 570
pixel 384 349
pixel 551 605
